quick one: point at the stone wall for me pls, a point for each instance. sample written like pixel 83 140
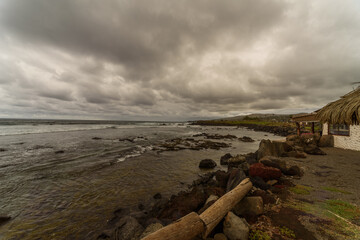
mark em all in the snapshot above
pixel 347 142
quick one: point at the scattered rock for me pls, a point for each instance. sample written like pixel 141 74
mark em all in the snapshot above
pixel 313 150
pixel 326 141
pixel 59 152
pixel 235 228
pixel 294 171
pixel 224 159
pixel 220 236
pixel 235 177
pixel 207 163
pixel 259 183
pixel 127 228
pixel 157 196
pixel 151 229
pixel 96 138
pixel 272 182
pixel 2 149
pixel 236 161
pixel 222 178
pixel 266 197
pixel 4 219
pixel 252 206
pixel 246 139
pixel 266 173
pixel 295 154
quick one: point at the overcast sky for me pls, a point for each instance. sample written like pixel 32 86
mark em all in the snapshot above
pixel 175 60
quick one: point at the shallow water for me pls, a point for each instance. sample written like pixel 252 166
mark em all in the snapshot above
pixel 71 195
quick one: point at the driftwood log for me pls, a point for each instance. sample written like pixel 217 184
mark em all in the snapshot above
pixel 192 225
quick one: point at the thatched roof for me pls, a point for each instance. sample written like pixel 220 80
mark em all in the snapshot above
pixel 346 110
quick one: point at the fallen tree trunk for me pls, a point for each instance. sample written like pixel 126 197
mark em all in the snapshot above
pixel 192 225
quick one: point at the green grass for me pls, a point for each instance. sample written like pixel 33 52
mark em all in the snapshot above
pixel 301 190
pixel 287 232
pixel 244 122
pixel 259 235
pixel 343 209
pixel 332 189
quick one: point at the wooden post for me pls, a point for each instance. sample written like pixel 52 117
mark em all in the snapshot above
pixel 313 127
pixel 298 128
pixel 213 215
pixel 192 225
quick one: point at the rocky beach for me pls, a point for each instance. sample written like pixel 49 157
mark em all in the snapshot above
pixel 277 206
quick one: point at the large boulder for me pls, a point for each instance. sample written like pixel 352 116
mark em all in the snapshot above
pixel 235 228
pixel 266 173
pixel 252 206
pixel 326 141
pixel 207 163
pixel 224 159
pixel 235 177
pixel 272 148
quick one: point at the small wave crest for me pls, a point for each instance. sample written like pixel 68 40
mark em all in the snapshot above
pixel 139 150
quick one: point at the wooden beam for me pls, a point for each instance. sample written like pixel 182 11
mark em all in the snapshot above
pixel 298 128
pixel 313 127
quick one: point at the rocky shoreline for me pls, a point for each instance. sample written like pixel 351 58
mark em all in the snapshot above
pixel 257 216
pixel 283 130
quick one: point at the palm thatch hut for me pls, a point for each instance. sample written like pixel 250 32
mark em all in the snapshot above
pixel 341 119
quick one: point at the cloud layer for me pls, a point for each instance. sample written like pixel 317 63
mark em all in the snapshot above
pixel 159 59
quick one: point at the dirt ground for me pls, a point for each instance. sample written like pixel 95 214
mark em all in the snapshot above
pixel 326 200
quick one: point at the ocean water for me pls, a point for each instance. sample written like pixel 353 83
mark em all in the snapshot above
pixel 62 179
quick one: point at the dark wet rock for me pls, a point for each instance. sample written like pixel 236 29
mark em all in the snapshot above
pixel 252 206
pixel 207 163
pixel 274 162
pixel 246 139
pixel 224 159
pixel 220 236
pixel 203 179
pixel 124 228
pixel 96 138
pixel 215 136
pixel 294 171
pixel 132 140
pixel 326 141
pixel 222 178
pixel 212 190
pixel 266 173
pixel 59 152
pixel 210 201
pixel 272 148
pixel 182 204
pixel 259 183
pixel 157 196
pixel 127 228
pixel 267 198
pixel 313 150
pixel 236 175
pixel 2 150
pixel 4 219
pixel 251 158
pixel 236 161
pixel 141 207
pixel 235 228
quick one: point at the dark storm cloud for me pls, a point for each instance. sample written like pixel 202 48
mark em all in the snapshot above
pixel 179 59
